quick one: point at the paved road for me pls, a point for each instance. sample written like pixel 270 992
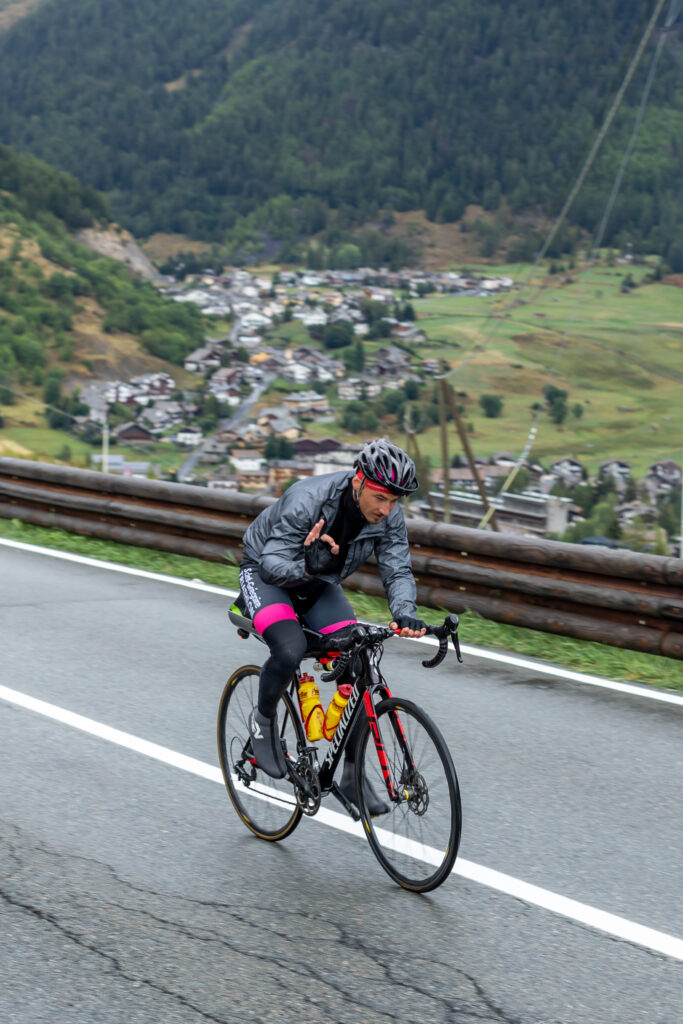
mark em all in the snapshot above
pixel 240 414
pixel 131 892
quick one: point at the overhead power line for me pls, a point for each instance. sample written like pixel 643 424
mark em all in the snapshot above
pixel 616 103
pixel 672 16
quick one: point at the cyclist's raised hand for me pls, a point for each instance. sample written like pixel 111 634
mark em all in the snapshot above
pixel 409 625
pixel 315 535
pixel 319 550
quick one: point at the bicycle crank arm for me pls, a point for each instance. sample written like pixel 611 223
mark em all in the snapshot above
pixel 300 781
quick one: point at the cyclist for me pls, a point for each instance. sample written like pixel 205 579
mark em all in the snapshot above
pixel 297 552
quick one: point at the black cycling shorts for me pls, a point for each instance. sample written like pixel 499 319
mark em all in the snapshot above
pixel 319 605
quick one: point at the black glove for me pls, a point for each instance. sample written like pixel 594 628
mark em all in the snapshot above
pixel 409 622
pixel 318 558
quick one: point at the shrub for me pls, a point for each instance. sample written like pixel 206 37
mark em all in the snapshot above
pixel 492 405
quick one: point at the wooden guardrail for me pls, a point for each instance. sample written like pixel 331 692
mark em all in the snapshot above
pixel 620 598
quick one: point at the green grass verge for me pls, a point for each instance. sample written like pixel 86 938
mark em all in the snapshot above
pixel 597 659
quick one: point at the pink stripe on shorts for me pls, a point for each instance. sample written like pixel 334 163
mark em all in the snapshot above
pixel 338 625
pixel 273 613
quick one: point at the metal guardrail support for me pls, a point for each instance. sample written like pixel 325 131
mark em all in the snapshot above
pixel 620 598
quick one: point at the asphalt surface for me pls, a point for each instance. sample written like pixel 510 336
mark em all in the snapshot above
pixel 185 471
pixel 130 891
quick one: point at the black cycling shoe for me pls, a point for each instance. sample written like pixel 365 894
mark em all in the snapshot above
pixel 266 745
pixel 373 801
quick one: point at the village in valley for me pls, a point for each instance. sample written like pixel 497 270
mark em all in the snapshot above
pixel 266 408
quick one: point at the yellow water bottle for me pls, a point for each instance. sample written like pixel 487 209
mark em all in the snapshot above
pixel 336 710
pixel 311 708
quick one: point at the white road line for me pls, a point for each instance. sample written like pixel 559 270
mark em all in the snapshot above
pixel 542 668
pixel 98 563
pixel 611 924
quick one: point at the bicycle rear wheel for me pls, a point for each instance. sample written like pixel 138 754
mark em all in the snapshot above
pixel 417 841
pixel 266 806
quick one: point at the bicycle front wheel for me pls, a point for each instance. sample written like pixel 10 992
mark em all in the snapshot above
pixel 266 806
pixel 417 841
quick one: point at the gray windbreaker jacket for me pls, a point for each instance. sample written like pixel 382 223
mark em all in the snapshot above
pixel 274 541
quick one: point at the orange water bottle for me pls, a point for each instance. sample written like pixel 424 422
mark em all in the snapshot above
pixel 311 708
pixel 336 710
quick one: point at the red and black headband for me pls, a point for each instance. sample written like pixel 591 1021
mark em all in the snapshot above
pixel 371 484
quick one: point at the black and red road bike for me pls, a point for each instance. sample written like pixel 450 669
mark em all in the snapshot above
pixel 399 749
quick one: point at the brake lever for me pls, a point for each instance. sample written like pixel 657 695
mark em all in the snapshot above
pixel 449 629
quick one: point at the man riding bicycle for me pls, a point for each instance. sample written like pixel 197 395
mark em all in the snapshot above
pixel 297 552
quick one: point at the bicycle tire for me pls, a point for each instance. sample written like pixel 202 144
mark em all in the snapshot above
pixel 267 806
pixel 430 796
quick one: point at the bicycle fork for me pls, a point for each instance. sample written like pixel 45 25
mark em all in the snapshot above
pixel 380 748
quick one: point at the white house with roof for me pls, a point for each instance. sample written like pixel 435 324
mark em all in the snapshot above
pixel 301 402
pixel 286 426
pixel 661 478
pixel 120 391
pixel 631 510
pixel 617 470
pixel 154 385
pixel 311 317
pixel 256 322
pixel 332 462
pixel 224 381
pixel 358 387
pixel 208 357
pixel 164 413
pixel 247 459
pixel 569 470
pixel 191 436
pixel 299 373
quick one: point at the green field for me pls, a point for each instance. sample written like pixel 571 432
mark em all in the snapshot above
pixel 44 444
pixel 620 356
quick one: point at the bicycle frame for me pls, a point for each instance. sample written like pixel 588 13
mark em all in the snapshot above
pixel 367 682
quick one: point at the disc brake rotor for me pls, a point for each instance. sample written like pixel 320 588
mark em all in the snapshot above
pixel 416 793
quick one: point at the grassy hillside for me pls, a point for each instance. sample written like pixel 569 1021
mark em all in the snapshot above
pixel 12 11
pixel 67 314
pixel 307 116
pixel 619 355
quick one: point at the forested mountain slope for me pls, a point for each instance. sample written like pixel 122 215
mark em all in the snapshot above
pixel 65 311
pixel 191 114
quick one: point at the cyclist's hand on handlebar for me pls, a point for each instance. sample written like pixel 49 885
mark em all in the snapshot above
pixel 318 549
pixel 409 625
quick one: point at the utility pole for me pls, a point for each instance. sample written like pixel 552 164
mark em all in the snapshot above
pixel 464 440
pixel 411 441
pixel 680 538
pixel 105 444
pixel 445 461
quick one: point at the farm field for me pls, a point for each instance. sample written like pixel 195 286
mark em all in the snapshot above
pixel 618 355
pixel 47 445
